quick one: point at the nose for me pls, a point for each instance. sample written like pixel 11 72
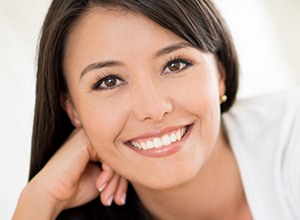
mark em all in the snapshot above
pixel 151 102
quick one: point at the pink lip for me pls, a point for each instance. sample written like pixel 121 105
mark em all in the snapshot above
pixel 165 150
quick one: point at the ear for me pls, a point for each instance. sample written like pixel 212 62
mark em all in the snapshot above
pixel 222 78
pixel 67 104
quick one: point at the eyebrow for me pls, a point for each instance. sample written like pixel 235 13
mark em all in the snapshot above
pixel 173 47
pixel 99 65
pixel 114 63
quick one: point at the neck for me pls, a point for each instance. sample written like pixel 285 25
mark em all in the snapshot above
pixel 216 191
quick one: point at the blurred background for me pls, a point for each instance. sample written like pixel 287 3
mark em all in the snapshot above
pixel 266 34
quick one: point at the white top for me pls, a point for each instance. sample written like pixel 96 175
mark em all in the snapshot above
pixel 264 133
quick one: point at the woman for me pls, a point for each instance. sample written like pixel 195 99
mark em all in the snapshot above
pixel 140 86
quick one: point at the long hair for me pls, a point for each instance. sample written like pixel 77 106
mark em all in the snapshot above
pixel 196 21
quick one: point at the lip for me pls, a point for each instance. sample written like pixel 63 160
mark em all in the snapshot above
pixel 157 133
pixel 165 150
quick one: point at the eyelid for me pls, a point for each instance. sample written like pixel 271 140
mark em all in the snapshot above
pixel 102 78
pixel 178 58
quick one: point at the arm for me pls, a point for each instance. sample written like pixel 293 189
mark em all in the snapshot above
pixel 36 203
pixel 69 179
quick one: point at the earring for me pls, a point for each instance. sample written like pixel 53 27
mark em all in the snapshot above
pixel 223 98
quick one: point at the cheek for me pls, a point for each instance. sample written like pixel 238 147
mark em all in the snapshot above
pixel 198 94
pixel 201 99
pixel 103 121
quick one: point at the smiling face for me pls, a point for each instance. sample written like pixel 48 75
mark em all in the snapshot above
pixel 147 99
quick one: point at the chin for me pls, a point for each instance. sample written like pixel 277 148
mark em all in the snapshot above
pixel 174 177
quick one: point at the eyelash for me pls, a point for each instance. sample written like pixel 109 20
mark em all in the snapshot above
pixel 174 60
pixel 178 59
pixel 103 78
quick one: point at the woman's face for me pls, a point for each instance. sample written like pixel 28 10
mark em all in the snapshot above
pixel 147 99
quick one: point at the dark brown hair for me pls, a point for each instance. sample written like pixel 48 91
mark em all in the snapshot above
pixel 196 21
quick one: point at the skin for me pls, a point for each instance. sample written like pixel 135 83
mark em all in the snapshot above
pixel 66 183
pixel 111 117
pixel 148 95
pixel 189 95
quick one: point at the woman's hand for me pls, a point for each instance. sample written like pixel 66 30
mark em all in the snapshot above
pixel 70 178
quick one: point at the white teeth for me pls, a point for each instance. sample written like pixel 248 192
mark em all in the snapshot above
pixel 149 144
pixel 157 142
pixel 173 138
pixel 136 144
pixel 144 146
pixel 166 140
pixel 178 135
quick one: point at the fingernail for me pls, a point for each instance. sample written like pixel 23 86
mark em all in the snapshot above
pixel 123 199
pixel 101 188
pixel 109 201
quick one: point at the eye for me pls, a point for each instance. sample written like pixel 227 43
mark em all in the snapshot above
pixel 176 65
pixel 108 82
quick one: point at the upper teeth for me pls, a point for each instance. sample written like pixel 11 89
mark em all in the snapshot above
pixel 158 142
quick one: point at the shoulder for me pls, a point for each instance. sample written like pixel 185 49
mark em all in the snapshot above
pixel 264 133
pixel 264 116
pixel 257 111
pixel 268 122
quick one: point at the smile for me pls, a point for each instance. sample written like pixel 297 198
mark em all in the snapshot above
pixel 160 141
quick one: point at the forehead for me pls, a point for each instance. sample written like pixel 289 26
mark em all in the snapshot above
pixel 115 28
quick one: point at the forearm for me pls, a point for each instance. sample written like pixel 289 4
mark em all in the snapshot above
pixel 36 203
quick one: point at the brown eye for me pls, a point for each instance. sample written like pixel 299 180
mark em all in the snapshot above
pixel 108 82
pixel 176 65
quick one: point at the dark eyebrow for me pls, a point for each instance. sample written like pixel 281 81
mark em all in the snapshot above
pixel 173 47
pixel 112 63
pixel 98 65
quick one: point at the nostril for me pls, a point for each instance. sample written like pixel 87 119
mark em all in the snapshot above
pixel 151 101
pixel 155 111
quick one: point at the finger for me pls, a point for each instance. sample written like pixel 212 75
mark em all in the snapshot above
pixel 107 194
pixel 104 177
pixel 120 195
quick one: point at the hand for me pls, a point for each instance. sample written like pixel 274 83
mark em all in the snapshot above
pixel 111 186
pixel 71 178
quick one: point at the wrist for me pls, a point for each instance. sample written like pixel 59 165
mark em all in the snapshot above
pixel 36 203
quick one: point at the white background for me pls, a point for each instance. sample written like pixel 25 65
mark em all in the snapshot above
pixel 266 33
